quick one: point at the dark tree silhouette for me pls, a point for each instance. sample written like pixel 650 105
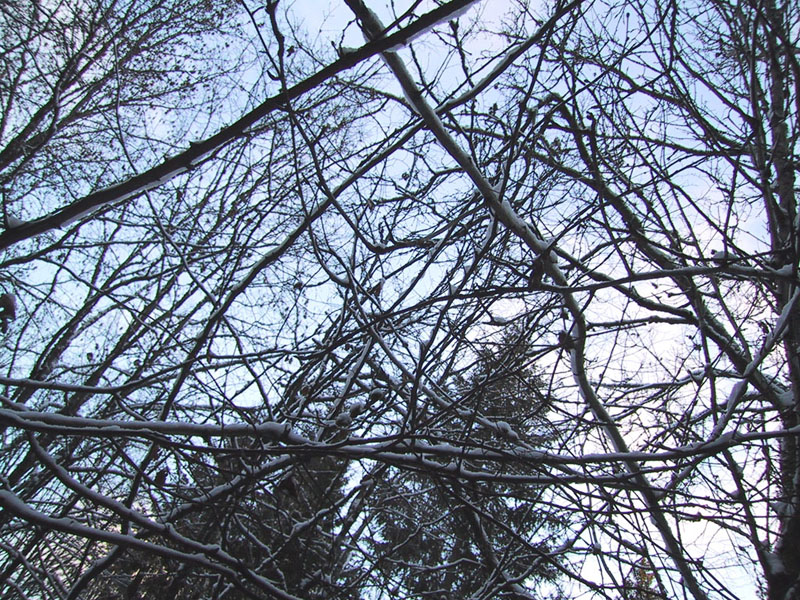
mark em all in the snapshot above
pixel 441 537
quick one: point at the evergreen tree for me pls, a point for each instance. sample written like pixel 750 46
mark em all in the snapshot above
pixel 443 538
pixel 281 528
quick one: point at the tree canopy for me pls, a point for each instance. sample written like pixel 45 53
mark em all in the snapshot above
pixel 409 299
